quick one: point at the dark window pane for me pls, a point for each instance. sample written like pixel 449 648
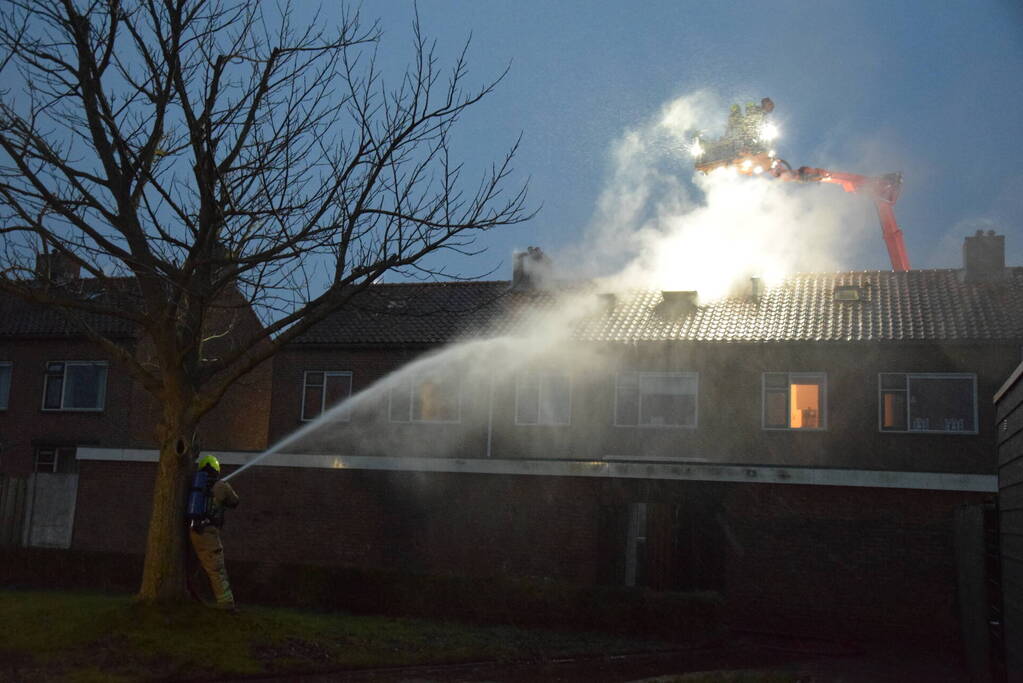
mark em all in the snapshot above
pixel 527 408
pixel 627 399
pixel 54 389
pixel 667 400
pixel 84 386
pixel 555 399
pixel 943 404
pixel 893 380
pixel 66 461
pixel 311 402
pixel 314 379
pixel 776 409
pixel 339 388
pixel 401 401
pixel 5 386
pixel 777 380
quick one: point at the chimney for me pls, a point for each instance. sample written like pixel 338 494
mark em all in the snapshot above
pixel 756 288
pixel 677 304
pixel 532 270
pixel 984 257
pixel 56 267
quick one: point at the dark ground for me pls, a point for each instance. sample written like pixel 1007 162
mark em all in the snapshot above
pixel 809 661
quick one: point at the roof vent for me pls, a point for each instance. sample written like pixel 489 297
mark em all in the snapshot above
pixel 756 287
pixel 608 302
pixel 849 293
pixel 678 303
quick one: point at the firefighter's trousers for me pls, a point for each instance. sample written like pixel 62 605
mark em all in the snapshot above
pixel 210 552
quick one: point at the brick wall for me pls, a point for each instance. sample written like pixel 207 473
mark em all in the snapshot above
pixel 847 562
pixel 843 560
pixel 129 415
pixel 25 424
pixel 730 405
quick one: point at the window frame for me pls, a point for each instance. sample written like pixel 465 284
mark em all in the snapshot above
pixel 57 452
pixel 687 374
pixel 413 382
pixel 344 416
pixel 823 423
pixel 539 397
pixel 926 375
pixel 102 394
pixel 5 392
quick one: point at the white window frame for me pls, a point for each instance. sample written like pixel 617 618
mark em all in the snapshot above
pixel 822 376
pixel 101 398
pixel 5 391
pixel 413 382
pixel 539 376
pixel 639 408
pixel 926 375
pixel 344 415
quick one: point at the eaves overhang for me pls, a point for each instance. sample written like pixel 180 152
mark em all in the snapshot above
pixel 613 467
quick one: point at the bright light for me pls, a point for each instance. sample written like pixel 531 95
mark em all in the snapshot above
pixel 695 148
pixel 769 132
pixel 758 169
pixel 771 153
pixel 747 165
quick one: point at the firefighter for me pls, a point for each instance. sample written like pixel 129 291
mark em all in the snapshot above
pixel 210 497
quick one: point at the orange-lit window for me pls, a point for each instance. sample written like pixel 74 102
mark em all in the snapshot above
pixel 794 400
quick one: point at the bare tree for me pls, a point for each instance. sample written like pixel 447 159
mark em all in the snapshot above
pixel 192 156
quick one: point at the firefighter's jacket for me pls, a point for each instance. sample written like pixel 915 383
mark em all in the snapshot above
pixel 224 497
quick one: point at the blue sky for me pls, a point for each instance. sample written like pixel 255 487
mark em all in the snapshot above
pixel 932 89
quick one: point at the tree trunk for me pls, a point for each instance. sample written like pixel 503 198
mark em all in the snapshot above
pixel 163 574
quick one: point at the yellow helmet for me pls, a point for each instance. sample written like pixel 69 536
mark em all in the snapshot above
pixel 208 460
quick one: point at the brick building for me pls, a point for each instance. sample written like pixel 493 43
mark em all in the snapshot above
pixel 61 393
pixel 802 447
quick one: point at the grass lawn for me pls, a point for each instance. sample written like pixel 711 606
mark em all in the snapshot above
pixel 89 637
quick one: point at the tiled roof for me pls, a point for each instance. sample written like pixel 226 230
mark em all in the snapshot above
pixel 19 318
pixel 919 305
pixel 414 313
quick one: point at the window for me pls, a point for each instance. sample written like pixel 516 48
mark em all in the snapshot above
pixel 427 397
pixel 75 385
pixel 795 400
pixel 656 399
pixel 5 384
pixel 58 459
pixel 543 399
pixel 323 390
pixel 928 402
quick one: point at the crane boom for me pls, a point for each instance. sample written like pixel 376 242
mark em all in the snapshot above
pixel 745 148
